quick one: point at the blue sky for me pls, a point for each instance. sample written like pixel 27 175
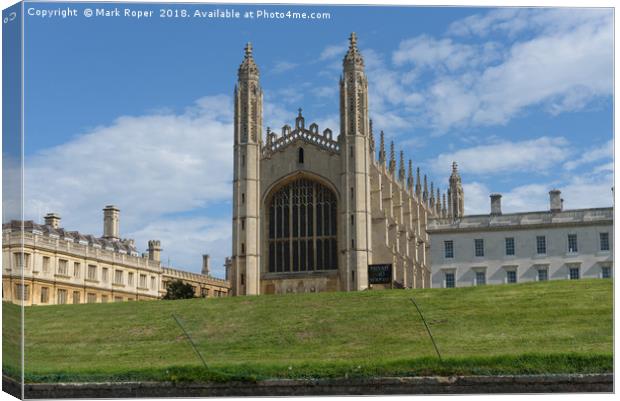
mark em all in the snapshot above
pixel 138 112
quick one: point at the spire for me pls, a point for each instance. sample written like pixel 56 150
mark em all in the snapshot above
pixel 444 211
pixel 248 130
pixel 392 158
pixel 372 139
pixel 248 68
pixel 354 118
pixel 425 193
pixel 299 120
pixel 410 176
pixel 401 169
pixel 248 101
pixel 456 199
pixel 438 203
pixel 432 193
pixel 353 58
pixel 382 148
pixel 418 187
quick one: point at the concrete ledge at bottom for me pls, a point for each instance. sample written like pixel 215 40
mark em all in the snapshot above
pixel 588 383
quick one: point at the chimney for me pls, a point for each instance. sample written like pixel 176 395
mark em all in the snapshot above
pixel 110 222
pixel 155 250
pixel 555 200
pixel 496 204
pixel 228 266
pixel 206 264
pixel 52 220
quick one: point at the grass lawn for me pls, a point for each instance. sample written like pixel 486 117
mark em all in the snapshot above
pixel 550 327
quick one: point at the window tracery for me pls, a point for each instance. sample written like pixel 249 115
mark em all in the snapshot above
pixel 302 228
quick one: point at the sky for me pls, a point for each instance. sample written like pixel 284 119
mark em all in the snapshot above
pixel 138 112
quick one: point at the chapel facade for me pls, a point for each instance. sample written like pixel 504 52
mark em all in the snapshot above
pixel 312 209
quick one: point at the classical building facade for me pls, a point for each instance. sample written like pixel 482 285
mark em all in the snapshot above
pixel 44 264
pixel 499 248
pixel 312 209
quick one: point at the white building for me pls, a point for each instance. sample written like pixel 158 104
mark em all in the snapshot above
pixel 520 247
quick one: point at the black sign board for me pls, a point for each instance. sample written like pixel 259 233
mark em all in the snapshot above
pixel 380 274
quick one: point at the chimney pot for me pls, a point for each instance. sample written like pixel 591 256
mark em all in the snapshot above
pixel 206 264
pixel 228 266
pixel 52 220
pixel 496 204
pixel 154 251
pixel 555 200
pixel 111 216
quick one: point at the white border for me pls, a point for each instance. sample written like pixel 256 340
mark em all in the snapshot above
pixel 477 3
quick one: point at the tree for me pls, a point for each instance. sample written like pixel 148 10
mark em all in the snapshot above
pixel 177 289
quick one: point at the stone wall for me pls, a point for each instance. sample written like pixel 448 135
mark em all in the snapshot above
pixel 595 383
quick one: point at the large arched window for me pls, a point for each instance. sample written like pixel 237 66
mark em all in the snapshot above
pixel 302 228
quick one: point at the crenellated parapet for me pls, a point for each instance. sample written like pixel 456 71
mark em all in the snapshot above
pixel 323 140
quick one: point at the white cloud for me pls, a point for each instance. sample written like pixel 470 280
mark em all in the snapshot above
pixel 578 192
pixel 283 66
pixel 389 122
pixel 184 240
pixel 587 191
pixel 536 155
pixel 331 121
pixel 333 51
pixel 559 60
pixel 527 198
pixel 504 19
pixel 567 69
pixel 330 69
pixel 514 21
pixel 289 95
pixel 386 90
pixel 575 98
pixel 476 198
pixel 275 116
pixel 524 198
pixel 427 52
pixel 326 91
pixel 605 151
pixel 150 166
pixel 603 168
pixel 449 103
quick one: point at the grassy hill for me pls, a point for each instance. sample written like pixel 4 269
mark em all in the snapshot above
pixel 555 326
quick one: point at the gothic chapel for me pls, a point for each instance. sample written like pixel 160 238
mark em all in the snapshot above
pixel 312 210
